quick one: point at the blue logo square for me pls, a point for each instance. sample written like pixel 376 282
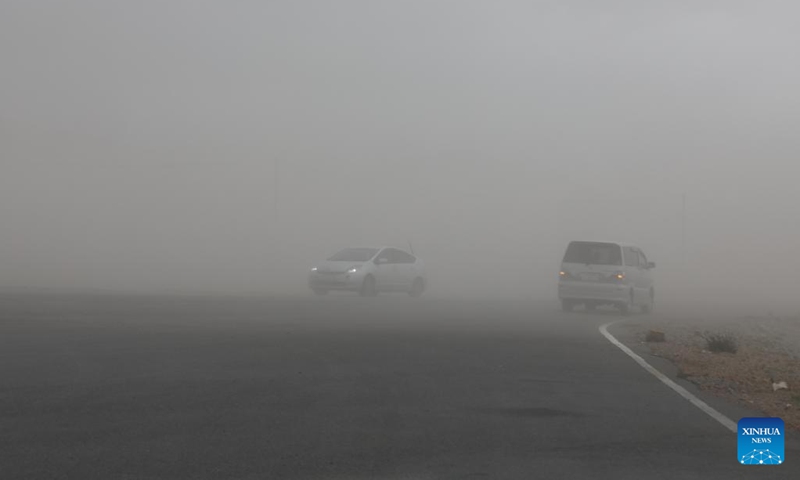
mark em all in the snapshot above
pixel 761 441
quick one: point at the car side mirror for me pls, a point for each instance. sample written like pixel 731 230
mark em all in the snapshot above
pixel 381 261
pixel 651 265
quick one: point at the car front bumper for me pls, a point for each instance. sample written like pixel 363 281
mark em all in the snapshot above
pixel 335 281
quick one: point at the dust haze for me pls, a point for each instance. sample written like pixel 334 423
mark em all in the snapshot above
pixel 226 147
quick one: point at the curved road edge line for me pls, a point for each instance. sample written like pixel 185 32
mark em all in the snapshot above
pixel 725 421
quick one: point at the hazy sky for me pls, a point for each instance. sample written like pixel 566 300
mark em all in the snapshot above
pixel 140 140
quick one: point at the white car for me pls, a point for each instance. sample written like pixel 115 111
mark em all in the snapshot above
pixel 369 270
pixel 606 273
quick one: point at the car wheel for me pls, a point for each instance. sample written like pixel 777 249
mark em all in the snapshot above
pixel 368 287
pixel 417 287
pixel 566 305
pixel 320 291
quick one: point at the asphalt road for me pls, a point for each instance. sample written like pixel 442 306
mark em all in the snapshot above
pixel 337 387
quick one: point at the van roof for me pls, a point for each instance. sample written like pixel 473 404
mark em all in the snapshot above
pixel 616 242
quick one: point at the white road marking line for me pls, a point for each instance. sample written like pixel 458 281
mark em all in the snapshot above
pixel 725 421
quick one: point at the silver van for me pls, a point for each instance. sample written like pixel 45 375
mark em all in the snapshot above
pixel 606 273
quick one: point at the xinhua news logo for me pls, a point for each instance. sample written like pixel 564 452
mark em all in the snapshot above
pixel 761 441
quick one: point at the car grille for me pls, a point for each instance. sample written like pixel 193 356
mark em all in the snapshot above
pixel 330 278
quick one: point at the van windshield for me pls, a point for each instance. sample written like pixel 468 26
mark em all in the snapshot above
pixel 594 253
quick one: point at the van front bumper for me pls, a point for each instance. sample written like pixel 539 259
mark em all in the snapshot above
pixel 582 291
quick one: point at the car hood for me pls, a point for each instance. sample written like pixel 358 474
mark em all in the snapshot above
pixel 338 267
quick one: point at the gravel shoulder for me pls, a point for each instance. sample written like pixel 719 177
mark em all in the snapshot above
pixel 767 353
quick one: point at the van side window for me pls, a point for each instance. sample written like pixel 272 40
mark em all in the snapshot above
pixel 642 259
pixel 631 257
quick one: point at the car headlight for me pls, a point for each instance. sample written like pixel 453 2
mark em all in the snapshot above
pixel 314 269
pixel 352 270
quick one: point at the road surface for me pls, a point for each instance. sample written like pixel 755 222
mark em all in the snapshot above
pixel 338 387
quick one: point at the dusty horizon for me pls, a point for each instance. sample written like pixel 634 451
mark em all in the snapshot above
pixel 200 146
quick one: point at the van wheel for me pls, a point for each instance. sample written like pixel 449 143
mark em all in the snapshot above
pixel 566 305
pixel 625 308
pixel 647 308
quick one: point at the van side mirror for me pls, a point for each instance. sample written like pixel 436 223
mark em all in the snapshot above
pixel 651 265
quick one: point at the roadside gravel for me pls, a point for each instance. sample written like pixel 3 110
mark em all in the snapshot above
pixel 768 353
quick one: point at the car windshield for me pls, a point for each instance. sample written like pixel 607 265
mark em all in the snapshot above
pixel 354 255
pixel 593 253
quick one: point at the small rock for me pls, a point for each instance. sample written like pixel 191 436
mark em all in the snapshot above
pixel 779 386
pixel 655 336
